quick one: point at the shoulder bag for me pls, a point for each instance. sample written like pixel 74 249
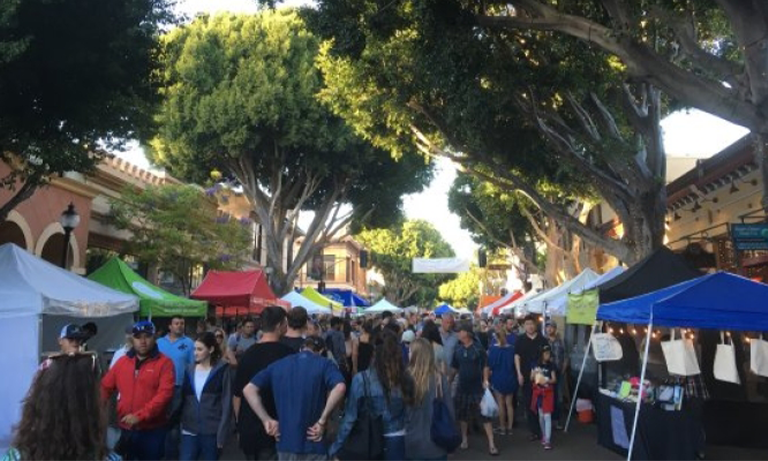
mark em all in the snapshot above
pixel 366 439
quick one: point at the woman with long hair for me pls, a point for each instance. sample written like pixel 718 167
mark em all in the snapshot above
pixel 221 340
pixel 63 417
pixel 389 388
pixel 351 346
pixel 428 384
pixel 503 381
pixel 365 346
pixel 207 402
pixel 431 332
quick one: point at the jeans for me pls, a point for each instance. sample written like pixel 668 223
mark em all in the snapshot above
pixel 174 428
pixel 144 445
pixel 198 447
pixel 394 448
pixel 530 416
pixel 545 422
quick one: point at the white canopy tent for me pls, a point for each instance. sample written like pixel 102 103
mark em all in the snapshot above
pixel 383 306
pixel 38 300
pixel 616 271
pixel 506 299
pixel 296 299
pixel 526 297
pixel 554 301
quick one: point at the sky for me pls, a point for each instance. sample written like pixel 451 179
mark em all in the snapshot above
pixel 686 133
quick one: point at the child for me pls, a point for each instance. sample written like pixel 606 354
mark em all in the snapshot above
pixel 543 396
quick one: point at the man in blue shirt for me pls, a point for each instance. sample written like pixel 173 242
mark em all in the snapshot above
pixel 299 384
pixel 181 350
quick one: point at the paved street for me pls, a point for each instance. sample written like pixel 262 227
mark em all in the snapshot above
pixel 580 443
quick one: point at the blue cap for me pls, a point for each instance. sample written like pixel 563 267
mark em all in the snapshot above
pixel 143 326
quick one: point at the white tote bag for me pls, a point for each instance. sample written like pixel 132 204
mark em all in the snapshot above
pixel 758 357
pixel 725 362
pixel 680 356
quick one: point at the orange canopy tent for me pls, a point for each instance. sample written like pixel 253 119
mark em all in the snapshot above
pixel 237 293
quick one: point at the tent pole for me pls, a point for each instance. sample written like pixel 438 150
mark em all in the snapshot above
pixel 640 389
pixel 581 373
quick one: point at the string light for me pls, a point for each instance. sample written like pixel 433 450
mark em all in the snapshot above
pixel 610 330
pixel 634 332
pixel 747 340
pixel 728 333
pixel 621 331
pixel 653 335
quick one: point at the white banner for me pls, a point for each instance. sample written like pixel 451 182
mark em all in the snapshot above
pixel 606 347
pixel 440 265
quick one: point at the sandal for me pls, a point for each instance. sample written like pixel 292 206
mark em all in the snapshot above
pixel 493 451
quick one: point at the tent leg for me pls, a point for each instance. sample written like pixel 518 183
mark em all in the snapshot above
pixel 640 389
pixel 578 381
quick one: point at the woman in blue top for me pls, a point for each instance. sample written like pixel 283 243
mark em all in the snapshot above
pixel 390 388
pixel 503 379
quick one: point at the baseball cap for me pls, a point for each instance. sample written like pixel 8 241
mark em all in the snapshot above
pixel 143 326
pixel 408 336
pixel 551 323
pixel 72 331
pixel 546 348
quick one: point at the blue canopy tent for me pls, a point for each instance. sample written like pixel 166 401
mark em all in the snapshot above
pixel 444 308
pixel 716 301
pixel 347 298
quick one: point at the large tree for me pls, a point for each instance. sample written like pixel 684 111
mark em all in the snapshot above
pixel 240 96
pixel 392 252
pixel 529 112
pixel 73 73
pixel 178 229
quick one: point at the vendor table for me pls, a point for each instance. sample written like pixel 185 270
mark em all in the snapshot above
pixel 661 434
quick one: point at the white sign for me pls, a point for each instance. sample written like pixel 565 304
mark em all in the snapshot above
pixel 606 347
pixel 440 265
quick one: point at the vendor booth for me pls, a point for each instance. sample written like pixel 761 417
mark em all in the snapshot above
pixel 511 307
pixel 153 301
pixel 383 306
pixel 495 308
pixel 346 298
pixel 553 302
pixel 663 413
pixel 298 300
pixel 38 300
pixel 315 296
pixel 445 308
pixel 237 293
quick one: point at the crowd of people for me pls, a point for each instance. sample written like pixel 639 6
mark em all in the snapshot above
pixel 293 387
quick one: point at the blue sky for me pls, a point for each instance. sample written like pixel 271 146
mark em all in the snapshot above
pixel 686 133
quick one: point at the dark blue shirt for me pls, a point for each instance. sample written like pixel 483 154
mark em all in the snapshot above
pixel 300 384
pixel 469 361
pixel 511 340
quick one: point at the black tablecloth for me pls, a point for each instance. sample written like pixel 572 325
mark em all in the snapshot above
pixel 661 434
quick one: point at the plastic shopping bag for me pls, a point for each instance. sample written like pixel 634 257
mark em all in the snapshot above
pixel 680 356
pixel 488 406
pixel 725 362
pixel 758 356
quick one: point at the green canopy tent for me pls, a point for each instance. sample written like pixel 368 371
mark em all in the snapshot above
pixel 153 301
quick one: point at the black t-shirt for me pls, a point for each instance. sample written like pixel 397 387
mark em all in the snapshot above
pixel 529 351
pixel 256 358
pixel 294 343
pixel 470 361
pixel 545 368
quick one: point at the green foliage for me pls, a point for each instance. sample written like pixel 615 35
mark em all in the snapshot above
pixel 178 227
pixel 392 252
pixel 74 73
pixel 464 290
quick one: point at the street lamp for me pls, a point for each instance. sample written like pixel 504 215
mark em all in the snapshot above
pixel 69 220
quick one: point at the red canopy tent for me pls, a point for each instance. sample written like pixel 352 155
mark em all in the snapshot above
pixel 497 310
pixel 237 293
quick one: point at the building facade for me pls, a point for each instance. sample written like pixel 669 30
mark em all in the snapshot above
pixel 341 267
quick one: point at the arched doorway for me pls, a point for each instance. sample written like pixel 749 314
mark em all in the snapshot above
pixel 10 232
pixel 53 250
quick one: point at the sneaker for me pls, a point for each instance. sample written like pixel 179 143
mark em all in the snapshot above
pixel 547 446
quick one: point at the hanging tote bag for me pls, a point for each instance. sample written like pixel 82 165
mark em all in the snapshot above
pixel 680 356
pixel 443 429
pixel 758 356
pixel 366 439
pixel 725 362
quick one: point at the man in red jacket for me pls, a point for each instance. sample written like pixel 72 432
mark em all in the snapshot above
pixel 144 379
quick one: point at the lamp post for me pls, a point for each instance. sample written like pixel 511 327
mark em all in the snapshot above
pixel 69 220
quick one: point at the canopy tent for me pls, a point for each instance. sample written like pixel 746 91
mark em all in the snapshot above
pixel 511 307
pixel 720 301
pixel 236 293
pixel 660 269
pixel 383 306
pixel 346 298
pixel 312 307
pixel 486 300
pixel 582 304
pixel 463 311
pixel 153 301
pixel 445 308
pixel 315 296
pixel 495 307
pixel 38 300
pixel 554 301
